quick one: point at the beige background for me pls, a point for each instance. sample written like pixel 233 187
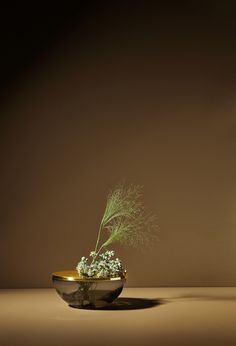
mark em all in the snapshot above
pixel 134 95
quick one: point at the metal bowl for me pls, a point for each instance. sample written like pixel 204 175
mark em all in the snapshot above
pixel 87 293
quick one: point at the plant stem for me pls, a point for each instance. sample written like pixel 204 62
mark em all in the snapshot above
pixel 98 238
pixel 97 243
pixel 97 253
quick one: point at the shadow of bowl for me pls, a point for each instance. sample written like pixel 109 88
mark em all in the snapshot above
pixel 130 303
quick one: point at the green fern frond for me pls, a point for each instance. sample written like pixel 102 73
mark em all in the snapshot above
pixel 126 220
pixel 122 203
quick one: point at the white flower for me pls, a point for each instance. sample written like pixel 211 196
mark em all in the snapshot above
pixel 103 267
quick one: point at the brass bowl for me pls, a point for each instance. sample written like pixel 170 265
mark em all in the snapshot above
pixel 87 293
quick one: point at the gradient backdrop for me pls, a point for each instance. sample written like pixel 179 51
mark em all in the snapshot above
pixel 95 94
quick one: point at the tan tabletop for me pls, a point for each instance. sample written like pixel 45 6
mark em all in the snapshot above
pixel 142 316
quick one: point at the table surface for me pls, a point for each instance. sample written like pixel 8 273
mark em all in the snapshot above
pixel 141 316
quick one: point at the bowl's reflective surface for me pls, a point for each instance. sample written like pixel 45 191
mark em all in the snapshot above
pixel 87 293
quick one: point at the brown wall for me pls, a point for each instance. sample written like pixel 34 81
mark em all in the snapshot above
pixel 143 96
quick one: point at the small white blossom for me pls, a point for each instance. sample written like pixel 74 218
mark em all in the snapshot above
pixel 103 267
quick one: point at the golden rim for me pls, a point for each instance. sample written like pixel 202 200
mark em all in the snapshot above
pixel 73 275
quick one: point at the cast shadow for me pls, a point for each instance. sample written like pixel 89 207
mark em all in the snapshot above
pixel 134 303
pixel 202 297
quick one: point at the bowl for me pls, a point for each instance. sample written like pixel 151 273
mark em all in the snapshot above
pixel 86 293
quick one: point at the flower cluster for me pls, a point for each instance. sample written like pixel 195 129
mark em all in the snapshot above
pixel 102 266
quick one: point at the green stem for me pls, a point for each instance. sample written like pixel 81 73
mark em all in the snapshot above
pixel 97 243
pixel 98 238
pixel 97 253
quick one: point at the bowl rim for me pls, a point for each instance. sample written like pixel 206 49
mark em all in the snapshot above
pixel 73 275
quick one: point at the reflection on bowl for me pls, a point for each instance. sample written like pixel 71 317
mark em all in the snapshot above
pixel 87 293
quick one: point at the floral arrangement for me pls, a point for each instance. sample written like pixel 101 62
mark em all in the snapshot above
pixel 124 221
